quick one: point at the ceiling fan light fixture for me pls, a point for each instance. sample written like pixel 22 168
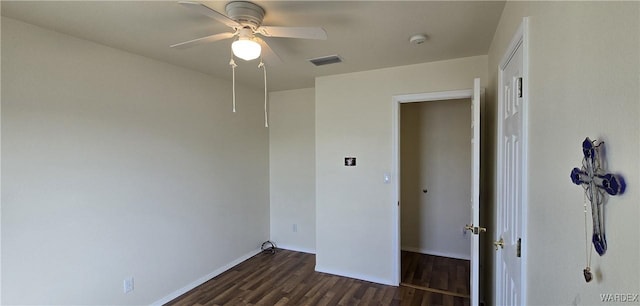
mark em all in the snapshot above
pixel 246 48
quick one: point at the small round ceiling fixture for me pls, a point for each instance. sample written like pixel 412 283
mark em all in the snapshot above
pixel 418 39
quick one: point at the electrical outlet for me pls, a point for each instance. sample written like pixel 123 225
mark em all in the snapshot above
pixel 295 228
pixel 128 284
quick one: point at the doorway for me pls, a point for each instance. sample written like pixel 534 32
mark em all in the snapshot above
pixel 435 163
pixel 475 94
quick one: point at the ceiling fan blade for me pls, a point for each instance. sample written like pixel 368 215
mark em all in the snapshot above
pixel 202 40
pixel 293 32
pixel 268 54
pixel 209 12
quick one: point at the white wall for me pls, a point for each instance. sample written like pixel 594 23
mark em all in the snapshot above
pixel 435 155
pixel 115 165
pixel 292 169
pixel 354 209
pixel 584 81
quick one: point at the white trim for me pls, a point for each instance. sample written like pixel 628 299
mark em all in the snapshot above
pixel 395 181
pixel 520 39
pixel 434 96
pixel 525 158
pixel 363 277
pixel 395 155
pixel 474 268
pixel 436 253
pixel 205 278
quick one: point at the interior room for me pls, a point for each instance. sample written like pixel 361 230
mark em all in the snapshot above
pixel 142 157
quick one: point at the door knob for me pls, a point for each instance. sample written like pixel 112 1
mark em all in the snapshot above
pixel 499 243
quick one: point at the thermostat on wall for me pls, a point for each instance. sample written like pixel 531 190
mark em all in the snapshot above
pixel 349 161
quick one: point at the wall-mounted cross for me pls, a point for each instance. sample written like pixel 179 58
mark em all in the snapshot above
pixel 596 183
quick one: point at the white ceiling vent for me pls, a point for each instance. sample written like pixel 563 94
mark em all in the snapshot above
pixel 326 60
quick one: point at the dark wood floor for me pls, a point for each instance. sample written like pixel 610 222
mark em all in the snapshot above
pixel 288 278
pixel 436 273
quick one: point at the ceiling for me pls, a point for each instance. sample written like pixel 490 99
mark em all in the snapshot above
pixel 365 34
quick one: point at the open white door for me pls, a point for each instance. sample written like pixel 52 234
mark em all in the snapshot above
pixel 474 227
pixel 511 188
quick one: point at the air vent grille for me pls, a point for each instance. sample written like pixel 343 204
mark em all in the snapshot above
pixel 326 60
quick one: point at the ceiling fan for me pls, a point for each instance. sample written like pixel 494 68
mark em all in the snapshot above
pixel 245 18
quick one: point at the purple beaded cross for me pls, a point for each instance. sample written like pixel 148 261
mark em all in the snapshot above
pixel 597 183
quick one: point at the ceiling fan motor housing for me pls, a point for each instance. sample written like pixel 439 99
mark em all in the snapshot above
pixel 245 13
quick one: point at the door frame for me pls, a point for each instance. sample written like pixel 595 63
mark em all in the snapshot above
pixel 397 100
pixel 520 39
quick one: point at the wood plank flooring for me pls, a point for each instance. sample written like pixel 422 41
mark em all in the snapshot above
pixel 288 278
pixel 436 273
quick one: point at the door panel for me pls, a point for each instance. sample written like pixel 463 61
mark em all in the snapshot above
pixel 510 184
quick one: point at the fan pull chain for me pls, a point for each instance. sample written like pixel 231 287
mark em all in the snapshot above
pixel 266 115
pixel 233 65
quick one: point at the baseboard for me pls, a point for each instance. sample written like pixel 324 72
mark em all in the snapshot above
pixel 436 253
pixel 363 277
pixel 205 278
pixel 295 249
